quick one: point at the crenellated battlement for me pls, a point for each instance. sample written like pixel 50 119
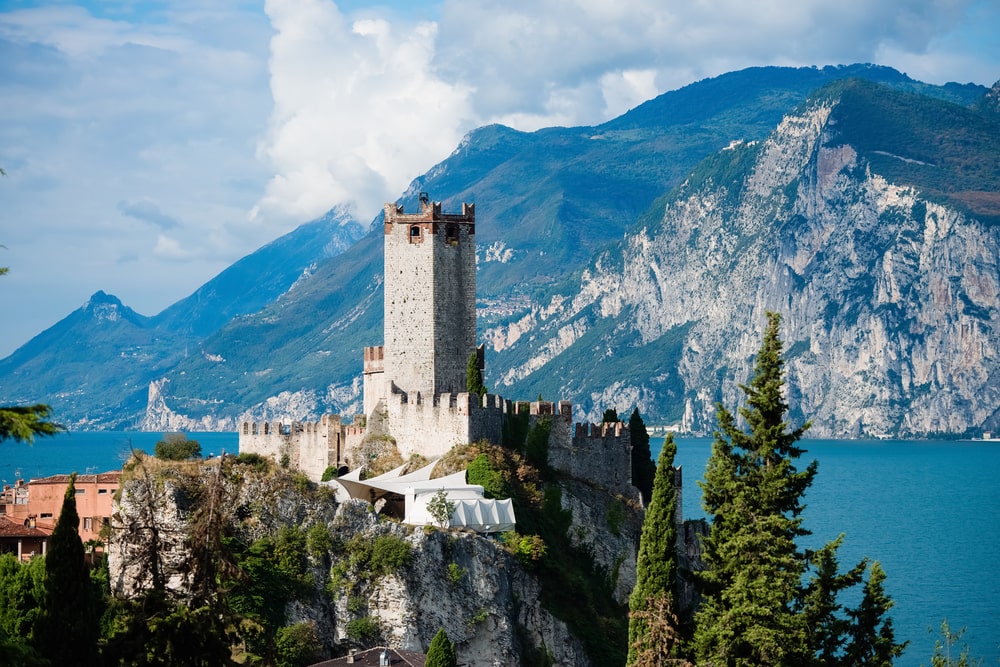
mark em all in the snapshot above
pixel 307 446
pixel 432 427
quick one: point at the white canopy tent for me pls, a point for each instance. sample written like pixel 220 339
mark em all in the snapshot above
pixel 472 511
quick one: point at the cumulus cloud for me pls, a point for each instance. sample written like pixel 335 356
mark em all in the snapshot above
pixel 357 107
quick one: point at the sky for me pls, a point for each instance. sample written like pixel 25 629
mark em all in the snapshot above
pixel 148 145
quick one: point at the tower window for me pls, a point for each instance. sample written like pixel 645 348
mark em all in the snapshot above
pixel 451 234
pixel 414 230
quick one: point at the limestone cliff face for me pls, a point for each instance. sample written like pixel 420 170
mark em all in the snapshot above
pixel 891 302
pixel 484 598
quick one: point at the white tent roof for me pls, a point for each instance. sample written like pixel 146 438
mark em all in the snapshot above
pixel 472 510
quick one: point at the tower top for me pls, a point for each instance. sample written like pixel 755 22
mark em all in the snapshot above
pixel 430 211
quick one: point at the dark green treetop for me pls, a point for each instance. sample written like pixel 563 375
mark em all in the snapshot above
pixel 753 494
pixel 653 603
pixel 474 376
pixel 441 652
pixel 69 625
pixel 643 468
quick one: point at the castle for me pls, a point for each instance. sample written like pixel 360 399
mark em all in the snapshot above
pixel 415 382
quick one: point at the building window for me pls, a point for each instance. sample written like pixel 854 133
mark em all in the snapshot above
pixel 46 515
pixel 101 491
pixel 415 230
pixel 451 234
pixel 80 491
pixel 88 523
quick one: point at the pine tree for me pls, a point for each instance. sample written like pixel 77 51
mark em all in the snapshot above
pixel 69 625
pixel 872 639
pixel 825 623
pixel 653 603
pixel 753 494
pixel 441 652
pixel 643 468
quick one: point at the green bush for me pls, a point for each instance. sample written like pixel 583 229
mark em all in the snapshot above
pixel 390 553
pixel 297 645
pixel 318 540
pixel 329 473
pixel 364 630
pixel 176 447
pixel 482 473
pixel 529 549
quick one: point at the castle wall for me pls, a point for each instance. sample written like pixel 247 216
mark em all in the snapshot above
pixel 310 446
pixel 373 387
pixel 433 428
pixel 601 453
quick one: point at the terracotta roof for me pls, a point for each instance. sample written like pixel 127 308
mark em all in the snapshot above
pixel 13 529
pixel 397 658
pixel 110 477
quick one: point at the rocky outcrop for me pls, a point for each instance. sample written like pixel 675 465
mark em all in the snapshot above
pixel 483 596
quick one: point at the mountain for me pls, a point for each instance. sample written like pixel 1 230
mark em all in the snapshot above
pixel 95 366
pixel 869 218
pixel 594 287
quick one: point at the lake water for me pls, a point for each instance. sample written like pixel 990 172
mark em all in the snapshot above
pixel 928 511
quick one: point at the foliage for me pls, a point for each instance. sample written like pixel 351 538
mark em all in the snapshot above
pixel 481 472
pixel 23 423
pixel 873 641
pixel 440 508
pixel 153 631
pixel 297 645
pixel 318 540
pixel 943 649
pixel 474 376
pixel 657 644
pixel 441 652
pixel 514 430
pixel 536 445
pixel 256 461
pixel 329 473
pixel 176 447
pixel 364 630
pixel 389 554
pixel 654 600
pixel 456 573
pixel 756 610
pixel 643 468
pixel 529 549
pixel 610 416
pixel 68 626
pixel 22 594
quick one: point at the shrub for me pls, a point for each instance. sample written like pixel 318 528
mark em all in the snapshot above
pixel 318 540
pixel 529 549
pixel 364 630
pixel 482 473
pixel 176 447
pixel 389 553
pixel 329 473
pixel 297 645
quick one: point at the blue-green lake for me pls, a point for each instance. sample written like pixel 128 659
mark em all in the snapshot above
pixel 928 511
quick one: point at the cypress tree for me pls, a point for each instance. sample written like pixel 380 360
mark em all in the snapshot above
pixel 441 652
pixel 474 376
pixel 69 625
pixel 653 603
pixel 753 495
pixel 643 468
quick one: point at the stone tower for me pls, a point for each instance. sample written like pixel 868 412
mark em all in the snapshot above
pixel 430 299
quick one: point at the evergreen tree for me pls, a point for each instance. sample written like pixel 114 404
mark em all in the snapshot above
pixel 753 494
pixel 653 603
pixel 872 639
pixel 824 621
pixel 474 376
pixel 69 625
pixel 441 652
pixel 643 468
pixel 610 416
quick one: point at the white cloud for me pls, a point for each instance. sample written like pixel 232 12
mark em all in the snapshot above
pixel 358 110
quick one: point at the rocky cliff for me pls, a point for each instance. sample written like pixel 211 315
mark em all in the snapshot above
pixel 370 580
pixel 890 295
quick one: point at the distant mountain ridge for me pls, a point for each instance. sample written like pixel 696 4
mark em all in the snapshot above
pixel 590 242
